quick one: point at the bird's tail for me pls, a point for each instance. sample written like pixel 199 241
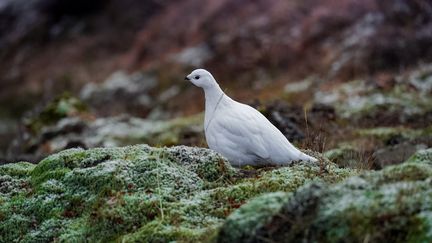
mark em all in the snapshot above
pixel 305 157
pixel 299 155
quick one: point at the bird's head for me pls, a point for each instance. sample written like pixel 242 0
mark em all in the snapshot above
pixel 201 78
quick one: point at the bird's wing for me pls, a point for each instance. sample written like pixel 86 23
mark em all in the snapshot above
pixel 243 125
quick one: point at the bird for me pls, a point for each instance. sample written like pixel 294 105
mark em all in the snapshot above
pixel 239 132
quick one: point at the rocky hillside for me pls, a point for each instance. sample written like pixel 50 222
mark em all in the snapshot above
pixel 102 139
pixel 364 123
pixel 244 42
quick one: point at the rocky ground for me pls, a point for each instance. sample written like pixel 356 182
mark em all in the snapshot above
pixel 102 139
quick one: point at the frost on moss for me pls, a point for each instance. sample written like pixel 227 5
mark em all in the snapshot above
pixel 394 204
pixel 137 194
pixel 20 169
pixel 14 179
pixel 243 222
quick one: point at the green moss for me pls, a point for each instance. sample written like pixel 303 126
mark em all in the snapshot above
pixel 422 156
pixel 251 216
pixel 56 166
pixel 386 133
pixel 19 169
pixel 14 227
pixel 421 231
pixel 136 193
pixel 115 190
pixel 159 133
pixel 394 204
pixel 204 163
pixel 157 231
pixel 46 232
pixel 345 155
pixel 286 179
pixel 62 106
pixel 171 132
pixel 14 179
pixel 359 99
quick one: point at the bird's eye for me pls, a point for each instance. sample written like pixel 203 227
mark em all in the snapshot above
pixel 197 77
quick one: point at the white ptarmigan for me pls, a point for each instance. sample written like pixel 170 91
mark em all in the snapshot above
pixel 239 132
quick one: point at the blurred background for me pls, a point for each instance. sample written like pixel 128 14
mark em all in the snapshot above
pixel 349 78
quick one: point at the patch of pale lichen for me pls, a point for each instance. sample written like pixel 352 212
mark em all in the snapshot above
pixel 386 134
pixel 408 97
pixel 394 204
pixel 62 106
pixel 137 193
pixel 155 133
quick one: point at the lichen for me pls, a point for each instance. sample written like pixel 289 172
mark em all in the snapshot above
pixel 360 98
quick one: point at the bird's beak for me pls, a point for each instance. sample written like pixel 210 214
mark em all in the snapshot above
pixel 186 78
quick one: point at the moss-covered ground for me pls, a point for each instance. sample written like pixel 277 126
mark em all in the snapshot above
pixel 391 205
pixel 137 194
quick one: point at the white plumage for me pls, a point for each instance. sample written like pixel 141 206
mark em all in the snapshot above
pixel 239 132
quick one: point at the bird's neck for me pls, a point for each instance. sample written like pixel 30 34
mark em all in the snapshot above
pixel 213 98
